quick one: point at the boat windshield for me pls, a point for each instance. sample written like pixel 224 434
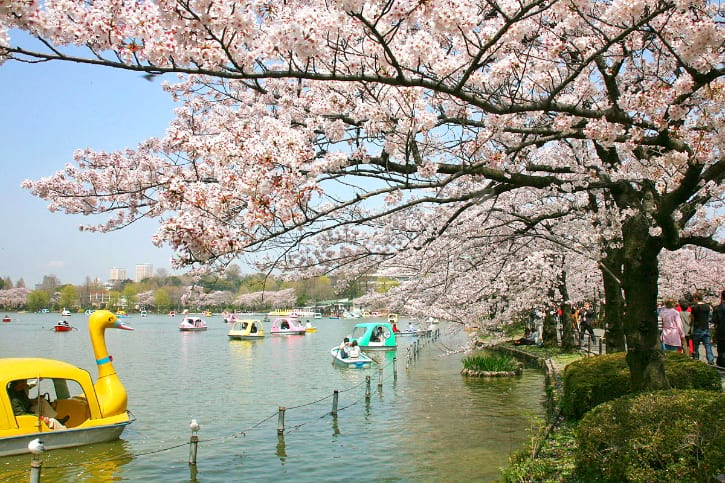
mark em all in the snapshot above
pixel 359 331
pixel 53 389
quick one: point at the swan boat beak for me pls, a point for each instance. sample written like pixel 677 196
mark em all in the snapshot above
pixel 120 325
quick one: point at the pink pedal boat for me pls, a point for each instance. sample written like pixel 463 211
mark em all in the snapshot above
pixel 287 326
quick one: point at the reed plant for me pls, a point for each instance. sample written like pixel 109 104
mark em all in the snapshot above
pixel 490 362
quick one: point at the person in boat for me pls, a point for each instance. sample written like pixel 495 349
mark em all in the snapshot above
pixel 395 328
pixel 354 352
pixel 377 334
pixel 411 327
pixel 253 330
pixel 22 404
pixel 308 325
pixel 344 347
pixel 64 323
pixel 285 325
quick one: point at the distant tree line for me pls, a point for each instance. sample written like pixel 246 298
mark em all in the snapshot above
pixel 231 290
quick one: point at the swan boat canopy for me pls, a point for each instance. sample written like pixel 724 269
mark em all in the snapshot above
pixel 246 330
pixel 93 413
pixel 374 336
pixel 192 324
pixel 287 326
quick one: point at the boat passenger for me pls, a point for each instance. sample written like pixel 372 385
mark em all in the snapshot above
pixel 253 330
pixel 395 328
pixel 354 351
pixel 22 404
pixel 285 325
pixel 344 347
pixel 308 325
pixel 411 327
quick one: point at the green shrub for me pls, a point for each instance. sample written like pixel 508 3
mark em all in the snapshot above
pixel 675 435
pixel 489 362
pixel 594 380
pixel 686 373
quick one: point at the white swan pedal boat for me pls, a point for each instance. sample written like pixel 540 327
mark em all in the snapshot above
pixel 361 362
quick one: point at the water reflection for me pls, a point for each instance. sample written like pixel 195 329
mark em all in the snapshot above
pixel 281 448
pixel 94 463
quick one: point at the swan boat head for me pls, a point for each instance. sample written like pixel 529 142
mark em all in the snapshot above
pixel 111 394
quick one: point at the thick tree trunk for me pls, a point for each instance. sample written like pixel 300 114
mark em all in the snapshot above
pixel 639 281
pixel 568 341
pixel 611 268
pixel 548 337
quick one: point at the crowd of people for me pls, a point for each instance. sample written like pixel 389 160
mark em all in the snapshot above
pixel 685 326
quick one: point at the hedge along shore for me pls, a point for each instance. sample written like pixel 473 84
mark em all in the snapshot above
pixel 552 447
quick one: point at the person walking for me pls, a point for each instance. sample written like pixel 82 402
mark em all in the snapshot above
pixel 686 319
pixel 586 321
pixel 673 335
pixel 701 329
pixel 718 319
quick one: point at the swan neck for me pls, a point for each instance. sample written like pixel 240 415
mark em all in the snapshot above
pixel 103 359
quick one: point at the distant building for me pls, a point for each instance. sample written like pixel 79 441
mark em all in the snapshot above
pixel 144 270
pixel 117 274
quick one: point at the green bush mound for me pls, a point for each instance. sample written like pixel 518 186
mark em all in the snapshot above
pixel 594 380
pixel 674 435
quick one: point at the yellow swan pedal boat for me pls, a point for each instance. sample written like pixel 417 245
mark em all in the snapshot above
pixel 91 412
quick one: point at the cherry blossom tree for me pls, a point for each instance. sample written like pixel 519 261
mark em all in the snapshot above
pixel 313 123
pixel 14 298
pixel 276 299
pixel 692 270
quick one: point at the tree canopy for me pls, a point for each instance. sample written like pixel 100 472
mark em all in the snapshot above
pixel 467 141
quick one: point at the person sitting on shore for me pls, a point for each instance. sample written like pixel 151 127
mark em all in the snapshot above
pixel 529 338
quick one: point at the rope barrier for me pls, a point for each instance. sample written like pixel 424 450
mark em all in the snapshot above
pixel 16 475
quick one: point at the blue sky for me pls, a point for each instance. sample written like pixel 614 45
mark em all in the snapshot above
pixel 49 110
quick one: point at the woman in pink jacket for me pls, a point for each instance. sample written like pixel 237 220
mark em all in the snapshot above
pixel 673 334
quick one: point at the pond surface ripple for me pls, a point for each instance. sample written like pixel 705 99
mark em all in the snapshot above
pixel 428 424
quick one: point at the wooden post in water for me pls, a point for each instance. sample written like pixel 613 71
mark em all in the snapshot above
pixel 367 388
pixel 36 447
pixel 36 464
pixel 280 420
pixel 335 395
pixel 395 369
pixel 380 377
pixel 193 442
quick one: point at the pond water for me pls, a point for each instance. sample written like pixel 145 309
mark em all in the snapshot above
pixel 427 424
